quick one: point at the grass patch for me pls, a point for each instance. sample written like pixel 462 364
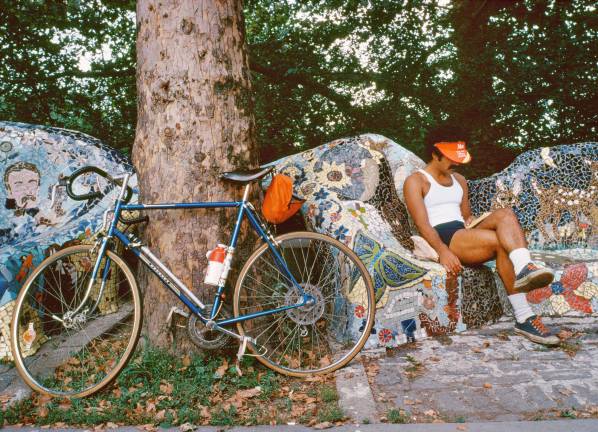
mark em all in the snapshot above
pixel 571 347
pixel 328 394
pixel 398 416
pixel 331 413
pixel 165 390
pixel 569 413
pixel 415 368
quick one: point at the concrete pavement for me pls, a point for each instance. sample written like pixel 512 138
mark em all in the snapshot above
pixel 487 374
pixel 539 426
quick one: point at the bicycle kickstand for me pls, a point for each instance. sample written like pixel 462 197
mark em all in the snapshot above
pixel 241 353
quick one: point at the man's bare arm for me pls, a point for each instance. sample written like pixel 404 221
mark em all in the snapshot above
pixel 465 205
pixel 413 193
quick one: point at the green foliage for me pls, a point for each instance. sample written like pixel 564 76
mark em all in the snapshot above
pixel 517 75
pixel 398 416
pixel 328 394
pixel 43 79
pixel 154 381
pixel 331 412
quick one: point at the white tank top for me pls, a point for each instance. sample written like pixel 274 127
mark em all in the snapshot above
pixel 443 203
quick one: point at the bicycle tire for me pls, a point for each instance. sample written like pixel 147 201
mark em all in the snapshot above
pixel 37 300
pixel 308 319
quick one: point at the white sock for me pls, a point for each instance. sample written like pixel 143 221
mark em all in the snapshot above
pixel 521 307
pixel 520 258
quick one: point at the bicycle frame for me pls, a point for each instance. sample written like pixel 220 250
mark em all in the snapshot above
pixel 245 209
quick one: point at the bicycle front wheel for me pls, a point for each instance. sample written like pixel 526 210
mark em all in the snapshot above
pixel 69 342
pixel 315 338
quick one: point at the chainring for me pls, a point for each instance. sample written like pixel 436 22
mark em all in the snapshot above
pixel 205 338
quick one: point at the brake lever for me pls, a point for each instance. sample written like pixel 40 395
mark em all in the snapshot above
pixel 62 182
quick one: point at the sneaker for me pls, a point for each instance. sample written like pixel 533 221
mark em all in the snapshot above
pixel 533 276
pixel 533 328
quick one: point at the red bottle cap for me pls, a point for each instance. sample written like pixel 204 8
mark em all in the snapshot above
pixel 217 254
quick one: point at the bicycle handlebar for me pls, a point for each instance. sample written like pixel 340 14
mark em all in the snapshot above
pixel 69 180
pixel 92 169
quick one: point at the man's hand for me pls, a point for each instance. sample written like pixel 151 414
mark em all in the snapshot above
pixel 468 221
pixel 450 262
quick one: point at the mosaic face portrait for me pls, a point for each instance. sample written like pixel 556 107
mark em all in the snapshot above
pixel 22 182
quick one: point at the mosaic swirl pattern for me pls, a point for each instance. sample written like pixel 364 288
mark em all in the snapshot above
pixel 353 191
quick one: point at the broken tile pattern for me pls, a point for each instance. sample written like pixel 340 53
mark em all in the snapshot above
pixel 353 191
pixel 32 158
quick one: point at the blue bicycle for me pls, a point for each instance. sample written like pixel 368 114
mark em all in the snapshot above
pixel 303 302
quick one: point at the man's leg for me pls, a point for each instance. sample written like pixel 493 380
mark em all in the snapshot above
pixel 476 246
pixel 512 238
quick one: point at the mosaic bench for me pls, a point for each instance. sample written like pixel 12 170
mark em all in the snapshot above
pixel 31 159
pixel 353 191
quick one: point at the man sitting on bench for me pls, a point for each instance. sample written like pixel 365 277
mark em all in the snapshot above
pixel 438 201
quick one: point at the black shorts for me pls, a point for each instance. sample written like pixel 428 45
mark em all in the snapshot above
pixel 446 231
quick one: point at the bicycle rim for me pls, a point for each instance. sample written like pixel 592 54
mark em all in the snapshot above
pixel 311 339
pixel 63 354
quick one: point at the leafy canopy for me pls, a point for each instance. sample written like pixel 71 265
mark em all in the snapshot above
pixel 517 74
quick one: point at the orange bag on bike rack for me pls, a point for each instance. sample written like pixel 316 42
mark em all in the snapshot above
pixel 279 205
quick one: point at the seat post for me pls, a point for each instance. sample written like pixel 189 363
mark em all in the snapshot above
pixel 246 192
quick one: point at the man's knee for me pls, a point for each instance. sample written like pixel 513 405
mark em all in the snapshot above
pixel 506 214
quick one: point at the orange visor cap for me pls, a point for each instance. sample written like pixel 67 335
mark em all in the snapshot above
pixel 456 151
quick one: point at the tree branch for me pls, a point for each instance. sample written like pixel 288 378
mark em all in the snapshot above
pixel 299 78
pixel 76 73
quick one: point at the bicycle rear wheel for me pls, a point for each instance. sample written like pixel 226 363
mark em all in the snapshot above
pixel 61 351
pixel 311 339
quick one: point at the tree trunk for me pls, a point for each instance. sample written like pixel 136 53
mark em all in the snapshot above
pixel 195 120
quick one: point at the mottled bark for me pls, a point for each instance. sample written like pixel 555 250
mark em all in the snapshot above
pixel 195 120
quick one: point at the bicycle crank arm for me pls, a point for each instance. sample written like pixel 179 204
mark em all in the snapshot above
pixel 213 326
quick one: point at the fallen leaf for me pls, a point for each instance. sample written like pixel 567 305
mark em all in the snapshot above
pixel 65 405
pixel 222 369
pixel 462 427
pixel 430 413
pixel 150 406
pixel 166 387
pixel 434 358
pixel 160 415
pixel 487 385
pixel 249 393
pixel 486 344
pixel 111 425
pixel 323 425
pixel 409 402
pixel 503 335
pixel 325 361
pixel 117 392
pixel 565 334
pixel 204 411
pixel 185 427
pixel 566 392
pixel 42 412
pixel 186 362
pixel 476 350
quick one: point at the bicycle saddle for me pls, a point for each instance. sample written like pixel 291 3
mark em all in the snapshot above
pixel 246 176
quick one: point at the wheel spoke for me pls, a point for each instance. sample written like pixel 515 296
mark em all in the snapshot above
pixel 85 350
pixel 302 340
